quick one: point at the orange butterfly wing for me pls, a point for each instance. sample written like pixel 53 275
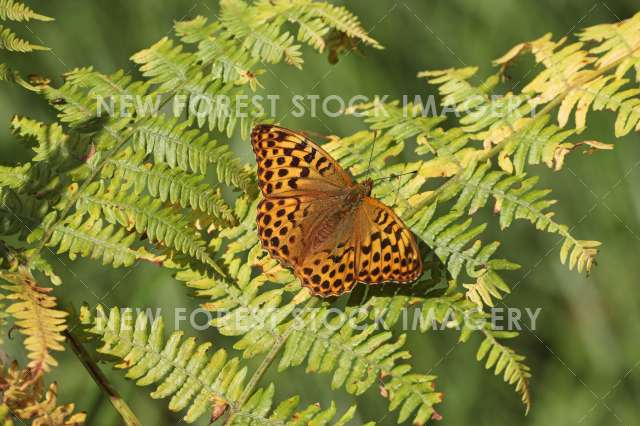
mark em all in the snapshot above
pixel 299 224
pixel 387 249
pixel 291 164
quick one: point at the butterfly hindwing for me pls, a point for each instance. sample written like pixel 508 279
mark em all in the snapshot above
pixel 387 250
pixel 290 164
pixel 285 224
pixel 329 268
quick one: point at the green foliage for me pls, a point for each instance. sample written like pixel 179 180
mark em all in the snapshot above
pixel 11 42
pixel 196 381
pixel 11 10
pixel 122 181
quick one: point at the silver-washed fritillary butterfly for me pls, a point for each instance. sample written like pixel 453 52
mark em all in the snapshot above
pixel 316 220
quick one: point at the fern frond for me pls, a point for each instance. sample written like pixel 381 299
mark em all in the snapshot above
pixel 616 41
pixel 358 355
pixel 92 239
pixel 36 316
pixel 174 143
pixel 24 399
pixel 195 380
pixel 315 20
pixel 165 64
pixel 504 360
pixel 262 38
pixel 352 351
pixel 172 185
pixel 614 48
pixel 218 49
pixel 209 100
pixel 145 215
pixel 15 11
pixel 340 19
pixel 11 42
pixel 454 310
pixel 580 253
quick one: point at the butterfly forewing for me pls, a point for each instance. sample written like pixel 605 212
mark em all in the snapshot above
pixel 290 164
pixel 303 222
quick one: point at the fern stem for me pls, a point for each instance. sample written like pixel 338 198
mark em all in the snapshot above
pixel 118 403
pixel 264 366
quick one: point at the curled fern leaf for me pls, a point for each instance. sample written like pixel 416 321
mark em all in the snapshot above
pixel 27 399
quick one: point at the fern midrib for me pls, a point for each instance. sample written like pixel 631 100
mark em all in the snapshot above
pixel 116 248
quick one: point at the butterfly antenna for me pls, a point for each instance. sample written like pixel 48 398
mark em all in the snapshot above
pixel 373 148
pixel 396 176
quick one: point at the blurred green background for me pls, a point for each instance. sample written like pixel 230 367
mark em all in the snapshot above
pixel 584 354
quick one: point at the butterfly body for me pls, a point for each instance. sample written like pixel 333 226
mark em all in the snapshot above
pixel 351 199
pixel 317 220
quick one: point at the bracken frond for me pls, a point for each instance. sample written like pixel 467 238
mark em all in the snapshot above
pixel 35 314
pixel 15 11
pixel 144 215
pixel 504 360
pixel 174 143
pixel 173 185
pixel 11 42
pixel 196 380
pixel 25 398
pixel 92 238
pixel 259 36
pixel 452 310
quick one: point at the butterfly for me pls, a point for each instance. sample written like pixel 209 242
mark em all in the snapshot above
pixel 315 219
